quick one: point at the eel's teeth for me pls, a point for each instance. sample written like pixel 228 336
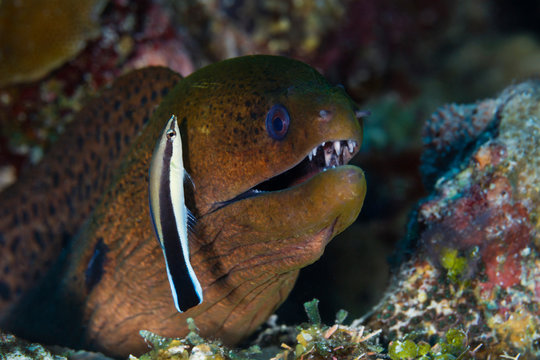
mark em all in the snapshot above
pixel 327 158
pixel 350 145
pixel 337 147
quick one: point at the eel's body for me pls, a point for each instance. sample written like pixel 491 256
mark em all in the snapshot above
pixel 265 208
pixel 50 202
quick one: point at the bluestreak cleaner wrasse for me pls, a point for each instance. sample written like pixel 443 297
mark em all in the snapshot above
pixel 170 216
pixel 266 140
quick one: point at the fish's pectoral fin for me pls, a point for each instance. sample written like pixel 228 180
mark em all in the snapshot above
pixel 188 179
pixel 189 191
pixel 191 221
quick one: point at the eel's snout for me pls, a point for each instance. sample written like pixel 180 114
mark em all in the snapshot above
pixel 343 190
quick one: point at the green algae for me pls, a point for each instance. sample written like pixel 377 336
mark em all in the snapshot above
pixel 314 340
pixel 312 311
pixel 454 264
pixel 318 341
pixel 406 349
pixel 452 347
pixel 341 316
pixel 193 346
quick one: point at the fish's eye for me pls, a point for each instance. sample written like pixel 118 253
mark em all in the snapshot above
pixel 277 122
pixel 171 134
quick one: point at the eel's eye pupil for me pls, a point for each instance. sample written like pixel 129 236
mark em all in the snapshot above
pixel 171 134
pixel 277 122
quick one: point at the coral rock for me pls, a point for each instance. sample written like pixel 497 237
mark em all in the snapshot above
pixel 477 266
pixel 14 348
pixel 37 36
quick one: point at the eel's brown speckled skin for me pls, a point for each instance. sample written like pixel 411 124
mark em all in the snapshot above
pixel 49 203
pixel 246 254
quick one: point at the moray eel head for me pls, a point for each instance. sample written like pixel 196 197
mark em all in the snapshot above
pixel 268 140
pixel 267 124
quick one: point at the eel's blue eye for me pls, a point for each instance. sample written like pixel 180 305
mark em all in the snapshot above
pixel 277 122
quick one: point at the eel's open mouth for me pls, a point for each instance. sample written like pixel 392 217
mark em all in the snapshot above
pixel 325 156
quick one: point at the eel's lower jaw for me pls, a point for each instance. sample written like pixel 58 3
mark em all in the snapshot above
pixel 326 155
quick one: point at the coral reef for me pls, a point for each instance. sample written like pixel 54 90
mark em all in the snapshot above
pixel 477 264
pixel 129 36
pixel 450 134
pixel 14 348
pixel 37 36
pixel 234 28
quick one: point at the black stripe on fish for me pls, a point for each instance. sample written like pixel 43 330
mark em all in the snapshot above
pixel 182 286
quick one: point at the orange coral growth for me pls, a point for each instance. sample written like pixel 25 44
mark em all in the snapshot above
pixel 37 36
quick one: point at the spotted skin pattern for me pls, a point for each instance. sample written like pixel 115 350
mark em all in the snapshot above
pixel 45 208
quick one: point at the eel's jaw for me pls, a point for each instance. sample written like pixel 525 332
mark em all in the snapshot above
pixel 327 155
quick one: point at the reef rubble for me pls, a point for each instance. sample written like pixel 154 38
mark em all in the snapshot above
pixel 15 348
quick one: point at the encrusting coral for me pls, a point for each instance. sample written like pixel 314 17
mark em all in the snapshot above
pixel 38 36
pixel 14 348
pixel 477 267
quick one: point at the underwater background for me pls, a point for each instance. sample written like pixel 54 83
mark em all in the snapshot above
pixel 401 60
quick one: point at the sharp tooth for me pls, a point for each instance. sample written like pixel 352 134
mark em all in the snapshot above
pixel 310 155
pixel 324 143
pixel 337 147
pixel 350 145
pixel 314 151
pixel 327 158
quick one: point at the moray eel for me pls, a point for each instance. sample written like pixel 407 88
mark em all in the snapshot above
pixel 266 140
